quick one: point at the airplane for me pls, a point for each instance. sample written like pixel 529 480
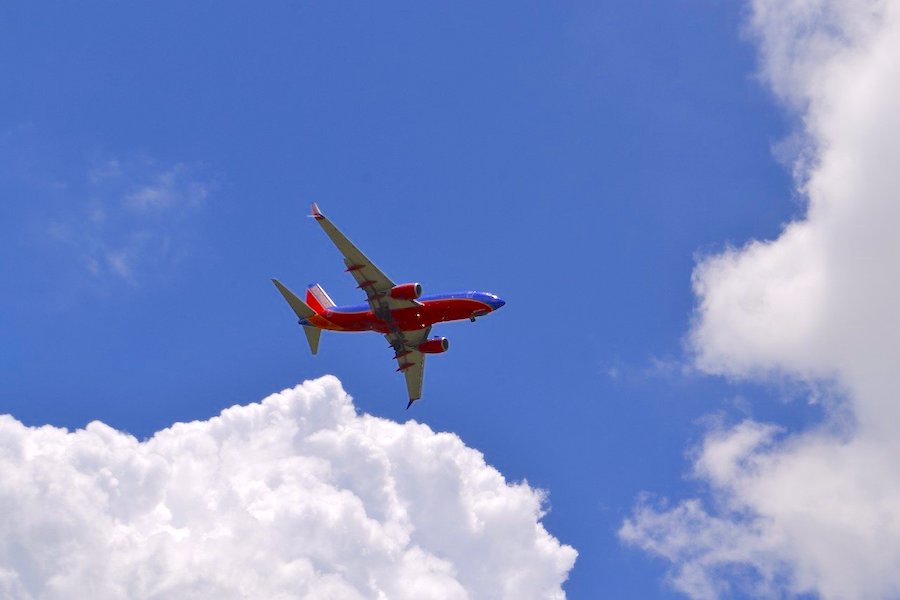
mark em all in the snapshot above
pixel 400 312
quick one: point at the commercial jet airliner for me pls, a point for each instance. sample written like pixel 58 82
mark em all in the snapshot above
pixel 400 312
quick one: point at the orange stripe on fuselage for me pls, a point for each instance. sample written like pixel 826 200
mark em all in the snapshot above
pixel 407 319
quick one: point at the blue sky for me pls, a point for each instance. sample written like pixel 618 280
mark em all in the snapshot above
pixel 157 162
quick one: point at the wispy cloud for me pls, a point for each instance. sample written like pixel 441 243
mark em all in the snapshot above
pixel 125 219
pixel 653 368
pixel 168 189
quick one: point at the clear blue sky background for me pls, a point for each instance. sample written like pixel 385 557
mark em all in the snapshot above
pixel 572 158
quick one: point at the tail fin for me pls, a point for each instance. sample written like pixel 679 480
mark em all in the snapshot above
pixel 318 299
pixel 303 312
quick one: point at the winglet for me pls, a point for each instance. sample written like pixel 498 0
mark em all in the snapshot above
pixel 316 213
pixel 410 403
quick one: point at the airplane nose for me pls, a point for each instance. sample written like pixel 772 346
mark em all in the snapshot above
pixel 496 303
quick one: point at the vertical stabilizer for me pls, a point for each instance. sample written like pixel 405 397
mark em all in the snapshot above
pixel 318 299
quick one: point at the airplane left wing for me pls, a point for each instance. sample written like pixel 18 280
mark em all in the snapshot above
pixel 369 278
pixel 410 361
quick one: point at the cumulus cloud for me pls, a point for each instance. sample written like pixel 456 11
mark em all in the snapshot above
pixel 817 510
pixel 297 496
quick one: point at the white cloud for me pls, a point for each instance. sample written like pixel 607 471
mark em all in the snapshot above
pixel 815 511
pixel 297 496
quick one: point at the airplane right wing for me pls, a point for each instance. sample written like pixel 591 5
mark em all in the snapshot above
pixel 369 278
pixel 377 287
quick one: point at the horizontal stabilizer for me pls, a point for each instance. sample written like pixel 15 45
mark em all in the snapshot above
pixel 303 311
pixel 300 307
pixel 312 336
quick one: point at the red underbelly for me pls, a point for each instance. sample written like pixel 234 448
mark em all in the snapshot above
pixel 407 319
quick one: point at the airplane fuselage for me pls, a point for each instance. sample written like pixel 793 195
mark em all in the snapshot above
pixel 432 309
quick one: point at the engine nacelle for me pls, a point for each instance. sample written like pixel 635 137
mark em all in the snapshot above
pixel 434 345
pixel 406 291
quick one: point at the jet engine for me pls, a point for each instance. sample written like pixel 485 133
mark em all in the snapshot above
pixel 406 291
pixel 434 345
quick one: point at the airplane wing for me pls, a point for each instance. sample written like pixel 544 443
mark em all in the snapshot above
pixel 410 361
pixel 369 278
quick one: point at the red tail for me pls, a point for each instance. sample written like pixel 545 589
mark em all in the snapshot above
pixel 318 299
pixel 314 303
